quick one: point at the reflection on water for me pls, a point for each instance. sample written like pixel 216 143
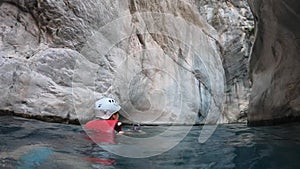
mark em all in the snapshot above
pixel 33 144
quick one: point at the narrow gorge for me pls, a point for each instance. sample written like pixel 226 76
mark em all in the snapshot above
pixel 182 61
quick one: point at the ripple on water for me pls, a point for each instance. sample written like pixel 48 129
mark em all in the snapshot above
pixel 66 146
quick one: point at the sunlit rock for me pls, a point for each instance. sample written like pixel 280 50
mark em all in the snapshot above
pixel 159 59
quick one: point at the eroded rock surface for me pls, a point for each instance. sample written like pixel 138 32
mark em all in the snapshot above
pixel 275 62
pixel 159 59
pixel 234 23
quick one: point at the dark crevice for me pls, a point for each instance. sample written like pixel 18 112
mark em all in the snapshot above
pixel 273 122
pixel 132 7
pixel 141 40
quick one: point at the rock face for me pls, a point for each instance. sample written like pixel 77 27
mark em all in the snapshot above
pixel 159 59
pixel 275 62
pixel 234 23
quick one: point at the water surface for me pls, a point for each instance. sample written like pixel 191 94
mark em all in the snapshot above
pixel 29 144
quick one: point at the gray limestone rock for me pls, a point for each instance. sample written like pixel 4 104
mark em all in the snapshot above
pixel 159 59
pixel 275 63
pixel 234 23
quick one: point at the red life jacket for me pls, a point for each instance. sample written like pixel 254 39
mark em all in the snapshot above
pixel 101 160
pixel 106 126
pixel 102 131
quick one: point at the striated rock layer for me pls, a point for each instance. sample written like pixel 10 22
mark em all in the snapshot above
pixel 234 23
pixel 159 59
pixel 275 62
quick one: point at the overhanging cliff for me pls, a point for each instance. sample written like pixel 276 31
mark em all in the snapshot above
pixel 275 62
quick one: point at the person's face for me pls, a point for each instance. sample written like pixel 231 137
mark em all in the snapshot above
pixel 115 116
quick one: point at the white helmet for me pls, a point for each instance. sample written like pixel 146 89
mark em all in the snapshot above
pixel 107 107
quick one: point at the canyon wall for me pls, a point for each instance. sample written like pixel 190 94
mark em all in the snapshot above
pixel 159 59
pixel 234 23
pixel 164 61
pixel 275 62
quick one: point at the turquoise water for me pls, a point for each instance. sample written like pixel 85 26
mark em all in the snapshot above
pixel 27 144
